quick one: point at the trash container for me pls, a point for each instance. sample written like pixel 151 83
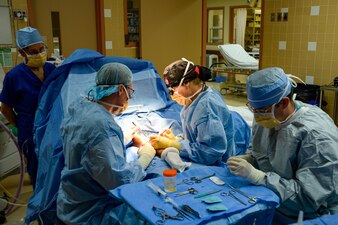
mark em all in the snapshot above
pixel 308 93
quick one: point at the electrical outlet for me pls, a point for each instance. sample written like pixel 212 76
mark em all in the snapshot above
pixel 19 14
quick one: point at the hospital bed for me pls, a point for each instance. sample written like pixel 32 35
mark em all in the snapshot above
pixel 236 61
pixel 151 109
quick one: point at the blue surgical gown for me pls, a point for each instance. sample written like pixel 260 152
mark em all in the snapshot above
pixel 21 88
pixel 95 163
pixel 208 129
pixel 300 158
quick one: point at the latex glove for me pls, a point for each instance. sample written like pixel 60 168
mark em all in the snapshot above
pixel 159 142
pixel 147 153
pixel 169 134
pixel 172 157
pixel 242 168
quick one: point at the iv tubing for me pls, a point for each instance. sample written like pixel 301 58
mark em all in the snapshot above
pixel 22 167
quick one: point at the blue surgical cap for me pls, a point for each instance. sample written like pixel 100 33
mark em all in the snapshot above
pixel 108 78
pixel 267 86
pixel 27 36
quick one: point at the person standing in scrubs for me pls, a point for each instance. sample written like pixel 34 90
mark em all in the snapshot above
pixel 208 130
pixel 21 88
pixel 294 149
pixel 95 154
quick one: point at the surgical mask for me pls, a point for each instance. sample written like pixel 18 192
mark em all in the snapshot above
pixel 121 108
pixel 37 60
pixel 268 119
pixel 178 98
pixel 187 100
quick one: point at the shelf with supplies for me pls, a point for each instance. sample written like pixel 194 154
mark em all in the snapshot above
pixel 252 31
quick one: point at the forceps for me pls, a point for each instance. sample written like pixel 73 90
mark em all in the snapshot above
pixel 164 215
pixel 251 200
pixel 231 193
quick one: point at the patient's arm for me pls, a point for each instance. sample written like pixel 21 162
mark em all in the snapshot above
pixel 159 152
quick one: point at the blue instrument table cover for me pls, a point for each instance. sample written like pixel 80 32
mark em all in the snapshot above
pixel 141 198
pixel 324 220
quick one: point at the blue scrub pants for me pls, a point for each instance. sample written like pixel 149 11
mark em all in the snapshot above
pixel 28 148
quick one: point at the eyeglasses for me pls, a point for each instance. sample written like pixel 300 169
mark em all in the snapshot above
pixel 131 91
pixel 36 51
pixel 266 109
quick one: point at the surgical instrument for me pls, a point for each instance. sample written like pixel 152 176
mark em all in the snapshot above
pixel 207 193
pixel 231 193
pixel 217 180
pixel 177 208
pixel 193 180
pixel 186 181
pixel 251 200
pixel 189 191
pixel 141 131
pixel 192 211
pixel 164 215
pixel 199 180
pixel 157 189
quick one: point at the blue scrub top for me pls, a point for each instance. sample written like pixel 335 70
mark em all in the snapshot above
pixel 21 88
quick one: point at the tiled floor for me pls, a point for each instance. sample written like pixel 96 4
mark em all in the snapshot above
pixel 231 97
pixel 10 186
pixel 11 183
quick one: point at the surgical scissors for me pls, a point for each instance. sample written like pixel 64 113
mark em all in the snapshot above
pixel 164 215
pixel 231 193
pixel 193 180
pixel 186 181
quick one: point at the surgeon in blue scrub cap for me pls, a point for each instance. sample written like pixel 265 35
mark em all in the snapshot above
pixel 95 155
pixel 21 88
pixel 294 149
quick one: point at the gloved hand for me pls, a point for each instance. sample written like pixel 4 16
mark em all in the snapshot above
pixel 172 157
pixel 159 142
pixel 147 153
pixel 169 134
pixel 242 168
pixel 247 157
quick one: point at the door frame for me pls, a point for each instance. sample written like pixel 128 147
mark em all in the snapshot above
pixel 231 28
pixel 100 31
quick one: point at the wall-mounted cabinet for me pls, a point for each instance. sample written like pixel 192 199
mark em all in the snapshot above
pixel 253 29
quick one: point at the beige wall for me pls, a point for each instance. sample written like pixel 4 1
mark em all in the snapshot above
pixel 226 4
pixel 300 29
pixel 18 24
pixel 77 22
pixel 114 30
pixel 170 30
